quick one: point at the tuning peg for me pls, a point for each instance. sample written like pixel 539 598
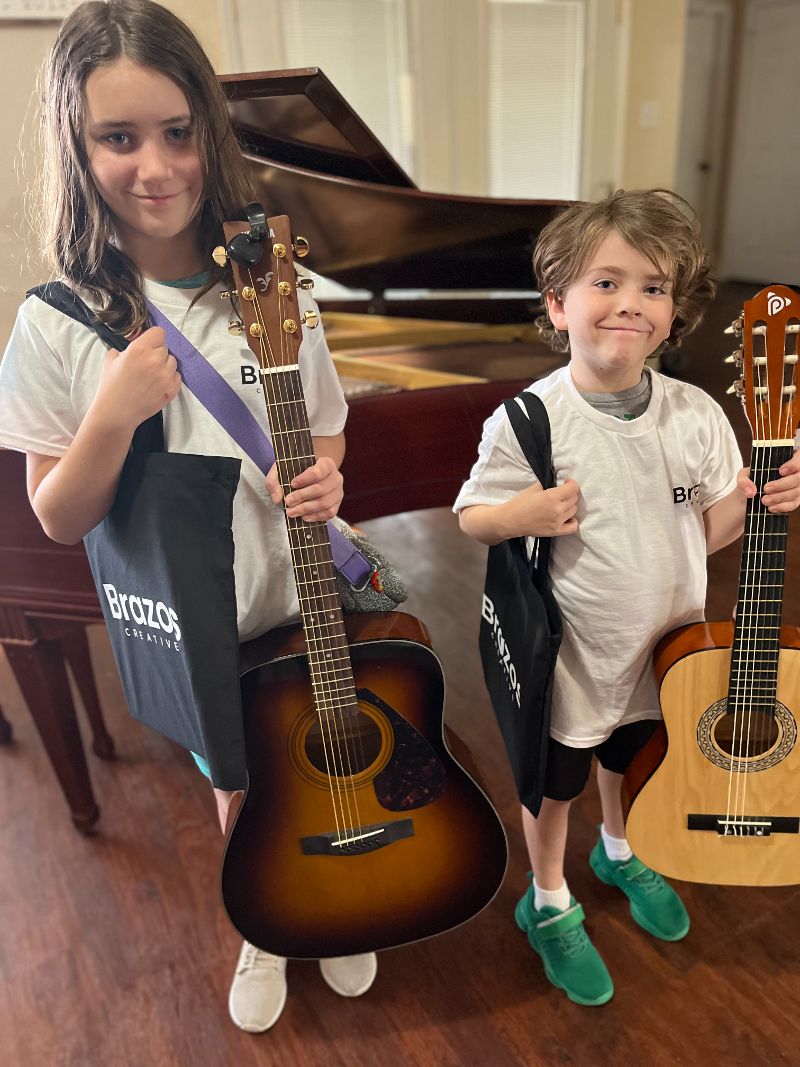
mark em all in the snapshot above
pixel 311 319
pixel 236 327
pixel 220 255
pixel 248 292
pixel 736 357
pixel 290 326
pixel 736 326
pixel 284 288
pixel 228 294
pixel 737 389
pixel 305 283
pixel 300 247
pixel 279 250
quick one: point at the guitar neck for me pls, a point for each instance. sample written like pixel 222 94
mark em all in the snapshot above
pixel 260 253
pixel 756 640
pixel 310 546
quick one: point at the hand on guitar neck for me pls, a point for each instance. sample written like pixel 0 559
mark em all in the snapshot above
pixel 724 521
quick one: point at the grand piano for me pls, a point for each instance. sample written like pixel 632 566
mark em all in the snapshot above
pixel 368 227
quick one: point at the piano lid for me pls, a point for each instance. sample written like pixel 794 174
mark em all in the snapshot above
pixel 368 225
pixel 300 118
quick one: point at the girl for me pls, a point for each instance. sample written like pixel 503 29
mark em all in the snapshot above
pixel 141 167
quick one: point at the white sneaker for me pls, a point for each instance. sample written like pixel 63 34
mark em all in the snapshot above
pixel 350 976
pixel 258 990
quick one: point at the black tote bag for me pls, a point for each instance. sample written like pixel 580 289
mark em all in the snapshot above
pixel 520 630
pixel 162 561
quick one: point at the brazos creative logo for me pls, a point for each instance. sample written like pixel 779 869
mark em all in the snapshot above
pixel 155 618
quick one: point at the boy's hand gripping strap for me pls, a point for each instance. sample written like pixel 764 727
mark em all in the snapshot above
pixel 533 435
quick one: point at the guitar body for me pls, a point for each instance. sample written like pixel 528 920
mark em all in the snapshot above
pixel 685 770
pixel 429 851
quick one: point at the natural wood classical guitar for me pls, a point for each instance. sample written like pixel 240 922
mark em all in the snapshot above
pixel 359 831
pixel 715 796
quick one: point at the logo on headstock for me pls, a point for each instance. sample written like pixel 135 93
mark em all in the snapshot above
pixel 776 303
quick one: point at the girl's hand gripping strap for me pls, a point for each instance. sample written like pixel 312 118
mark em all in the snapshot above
pixel 217 397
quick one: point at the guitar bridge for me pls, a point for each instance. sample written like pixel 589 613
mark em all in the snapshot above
pixel 744 825
pixel 357 841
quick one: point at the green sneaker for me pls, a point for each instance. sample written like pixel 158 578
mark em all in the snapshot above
pixel 655 905
pixel 571 962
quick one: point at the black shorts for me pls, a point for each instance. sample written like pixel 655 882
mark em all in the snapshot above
pixel 568 768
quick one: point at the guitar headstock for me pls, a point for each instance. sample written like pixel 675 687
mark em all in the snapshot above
pixel 261 253
pixel 769 329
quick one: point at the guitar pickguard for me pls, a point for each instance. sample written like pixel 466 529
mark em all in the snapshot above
pixel 414 775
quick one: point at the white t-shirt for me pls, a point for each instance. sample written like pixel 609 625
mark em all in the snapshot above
pixel 50 374
pixel 636 568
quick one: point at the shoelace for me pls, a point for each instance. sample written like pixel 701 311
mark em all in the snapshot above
pixel 255 959
pixel 648 881
pixel 570 944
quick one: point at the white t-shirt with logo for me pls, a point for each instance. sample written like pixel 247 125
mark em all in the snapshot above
pixel 49 376
pixel 636 568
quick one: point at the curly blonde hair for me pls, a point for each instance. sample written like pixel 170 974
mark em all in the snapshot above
pixel 658 223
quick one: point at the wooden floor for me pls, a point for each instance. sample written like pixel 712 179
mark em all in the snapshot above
pixel 115 951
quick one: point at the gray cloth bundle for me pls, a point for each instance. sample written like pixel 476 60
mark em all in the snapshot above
pixel 383 592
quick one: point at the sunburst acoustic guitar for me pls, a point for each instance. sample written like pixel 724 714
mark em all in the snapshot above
pixel 715 796
pixel 358 831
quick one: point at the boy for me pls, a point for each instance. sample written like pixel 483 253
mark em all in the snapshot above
pixel 648 483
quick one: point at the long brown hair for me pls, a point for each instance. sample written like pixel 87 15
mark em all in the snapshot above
pixel 77 226
pixel 657 222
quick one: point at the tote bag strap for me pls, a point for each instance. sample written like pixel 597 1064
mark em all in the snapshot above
pixel 149 435
pixel 533 434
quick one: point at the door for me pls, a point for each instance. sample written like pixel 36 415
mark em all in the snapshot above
pixel 705 92
pixel 761 238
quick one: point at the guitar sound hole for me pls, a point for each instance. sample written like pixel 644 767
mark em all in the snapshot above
pixel 344 744
pixel 747 735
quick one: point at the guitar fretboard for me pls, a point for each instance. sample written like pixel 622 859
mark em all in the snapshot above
pixel 756 639
pixel 312 558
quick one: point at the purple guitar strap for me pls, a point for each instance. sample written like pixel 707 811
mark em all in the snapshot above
pixel 231 412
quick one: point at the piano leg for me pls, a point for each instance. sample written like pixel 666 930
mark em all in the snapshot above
pixel 76 651
pixel 6 735
pixel 38 666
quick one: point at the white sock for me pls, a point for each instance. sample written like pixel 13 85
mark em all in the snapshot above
pixel 551 898
pixel 617 848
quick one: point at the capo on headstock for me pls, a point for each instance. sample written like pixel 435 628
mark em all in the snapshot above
pixel 245 248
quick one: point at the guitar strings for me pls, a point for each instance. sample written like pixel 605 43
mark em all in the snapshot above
pixel 765 661
pixel 758 637
pixel 274 387
pixel 739 677
pixel 277 416
pixel 341 685
pixel 322 680
pixel 328 676
pixel 750 622
pixel 777 525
